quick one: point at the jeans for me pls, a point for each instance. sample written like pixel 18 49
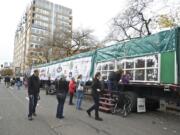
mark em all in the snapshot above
pixel 80 95
pixel 18 85
pixel 112 85
pixel 60 107
pixel 32 104
pixel 7 84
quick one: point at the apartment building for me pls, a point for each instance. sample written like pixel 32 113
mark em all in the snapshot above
pixel 42 21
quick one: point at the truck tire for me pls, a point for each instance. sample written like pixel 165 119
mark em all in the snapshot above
pixel 152 104
pixel 133 99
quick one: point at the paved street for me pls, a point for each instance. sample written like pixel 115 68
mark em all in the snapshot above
pixel 13 119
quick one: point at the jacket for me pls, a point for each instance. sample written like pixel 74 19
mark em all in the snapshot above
pixel 114 76
pixel 61 86
pixel 33 85
pixel 81 83
pixel 72 86
pixel 96 84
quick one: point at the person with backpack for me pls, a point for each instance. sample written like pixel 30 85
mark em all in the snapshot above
pixel 61 92
pixel 18 83
pixel 79 92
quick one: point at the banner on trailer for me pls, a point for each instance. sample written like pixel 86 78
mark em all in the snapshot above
pixel 70 69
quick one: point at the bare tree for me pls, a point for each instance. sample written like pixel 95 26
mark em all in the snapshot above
pixel 63 41
pixel 131 23
pixel 67 43
pixel 55 47
pixel 83 40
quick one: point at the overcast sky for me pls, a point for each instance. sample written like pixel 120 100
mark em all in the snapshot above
pixel 94 14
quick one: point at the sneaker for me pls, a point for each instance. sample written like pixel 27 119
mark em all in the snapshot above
pixel 88 113
pixel 99 119
pixel 34 114
pixel 30 118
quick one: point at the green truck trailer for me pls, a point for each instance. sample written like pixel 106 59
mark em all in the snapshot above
pixel 153 63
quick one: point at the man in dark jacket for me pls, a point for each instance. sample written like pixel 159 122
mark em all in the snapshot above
pixel 113 80
pixel 96 89
pixel 33 93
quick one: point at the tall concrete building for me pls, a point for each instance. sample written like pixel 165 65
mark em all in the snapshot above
pixel 40 23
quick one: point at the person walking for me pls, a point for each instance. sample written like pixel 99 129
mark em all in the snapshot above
pixel 61 92
pixel 18 83
pixel 33 93
pixel 72 88
pixel 48 85
pixel 7 81
pixel 96 89
pixel 26 82
pixel 79 92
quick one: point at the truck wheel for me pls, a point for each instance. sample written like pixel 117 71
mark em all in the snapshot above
pixel 152 104
pixel 133 100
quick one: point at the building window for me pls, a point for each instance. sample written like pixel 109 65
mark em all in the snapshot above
pixel 105 68
pixel 33 14
pixel 31 45
pixel 140 69
pixel 140 75
pixel 140 63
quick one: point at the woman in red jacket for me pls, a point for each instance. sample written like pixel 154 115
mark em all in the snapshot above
pixel 72 88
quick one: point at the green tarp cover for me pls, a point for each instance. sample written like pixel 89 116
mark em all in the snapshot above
pixel 157 43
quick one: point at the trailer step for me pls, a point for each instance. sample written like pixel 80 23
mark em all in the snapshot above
pixel 104 109
pixel 107 99
pixel 106 103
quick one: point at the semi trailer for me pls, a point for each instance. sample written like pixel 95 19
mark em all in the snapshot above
pixel 152 62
